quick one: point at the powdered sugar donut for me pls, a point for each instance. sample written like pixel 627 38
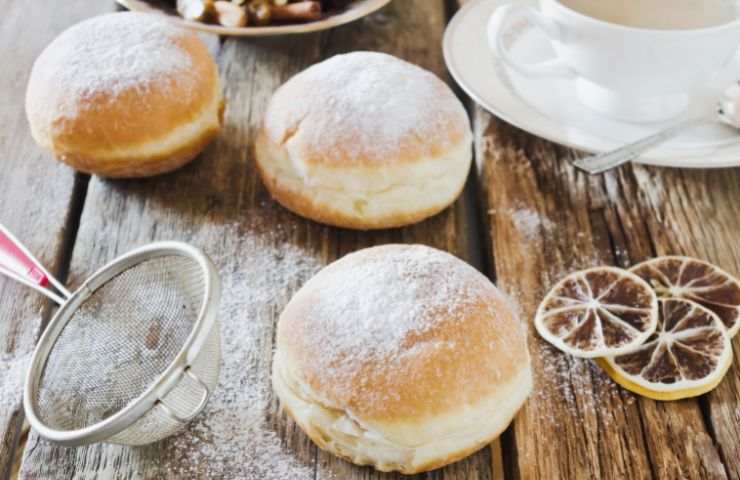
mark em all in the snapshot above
pixel 401 357
pixel 365 140
pixel 125 95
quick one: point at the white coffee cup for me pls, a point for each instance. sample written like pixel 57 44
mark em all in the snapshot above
pixel 626 72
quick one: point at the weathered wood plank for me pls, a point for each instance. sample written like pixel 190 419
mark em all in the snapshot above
pixel 695 212
pixel 35 198
pixel 264 254
pixel 546 220
pixel 574 425
pixel 695 218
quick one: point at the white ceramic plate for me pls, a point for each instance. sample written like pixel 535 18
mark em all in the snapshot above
pixel 548 107
pixel 355 11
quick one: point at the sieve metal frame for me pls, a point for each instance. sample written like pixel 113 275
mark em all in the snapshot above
pixel 151 397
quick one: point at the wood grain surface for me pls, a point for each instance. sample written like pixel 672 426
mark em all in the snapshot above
pixel 526 218
pixel 545 220
pixel 39 200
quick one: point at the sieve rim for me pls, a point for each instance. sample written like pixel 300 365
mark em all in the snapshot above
pixel 141 405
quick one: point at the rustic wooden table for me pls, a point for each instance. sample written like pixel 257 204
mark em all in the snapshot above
pixel 526 218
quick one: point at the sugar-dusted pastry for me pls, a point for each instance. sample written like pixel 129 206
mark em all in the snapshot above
pixel 366 141
pixel 401 357
pixel 125 95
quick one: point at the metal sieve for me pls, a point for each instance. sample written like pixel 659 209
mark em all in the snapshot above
pixel 132 355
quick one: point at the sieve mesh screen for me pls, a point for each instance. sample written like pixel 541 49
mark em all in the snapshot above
pixel 119 342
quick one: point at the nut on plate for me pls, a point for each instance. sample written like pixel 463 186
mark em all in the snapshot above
pixel 230 14
pixel 196 10
pixel 305 11
pixel 260 12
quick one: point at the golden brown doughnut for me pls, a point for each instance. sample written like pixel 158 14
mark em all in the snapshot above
pixel 125 95
pixel 366 141
pixel 401 357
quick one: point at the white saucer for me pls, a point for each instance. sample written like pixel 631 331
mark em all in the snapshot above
pixel 548 107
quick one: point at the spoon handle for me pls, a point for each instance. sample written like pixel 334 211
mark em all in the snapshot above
pixel 606 161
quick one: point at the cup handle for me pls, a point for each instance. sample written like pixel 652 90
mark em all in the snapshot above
pixel 502 21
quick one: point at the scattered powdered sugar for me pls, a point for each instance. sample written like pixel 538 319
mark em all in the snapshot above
pixel 568 392
pixel 234 437
pixel 515 297
pixel 364 105
pixel 12 377
pixel 561 382
pixel 14 365
pixel 529 223
pixel 108 54
pixel 572 391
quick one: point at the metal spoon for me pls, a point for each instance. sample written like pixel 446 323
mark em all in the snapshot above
pixel 727 112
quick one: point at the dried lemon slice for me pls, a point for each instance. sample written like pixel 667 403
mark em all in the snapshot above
pixel 688 354
pixel 598 312
pixel 701 282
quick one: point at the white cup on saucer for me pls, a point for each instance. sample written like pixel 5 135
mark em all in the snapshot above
pixel 633 60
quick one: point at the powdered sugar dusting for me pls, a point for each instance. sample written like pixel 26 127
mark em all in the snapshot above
pixel 234 437
pixel 402 292
pixel 570 391
pixel 366 314
pixel 109 54
pixel 530 224
pixel 12 376
pixel 364 105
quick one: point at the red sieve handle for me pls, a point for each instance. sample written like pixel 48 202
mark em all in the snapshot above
pixel 15 260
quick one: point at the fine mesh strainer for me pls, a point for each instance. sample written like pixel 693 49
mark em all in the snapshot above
pixel 132 355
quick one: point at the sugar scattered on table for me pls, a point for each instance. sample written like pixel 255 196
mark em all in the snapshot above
pixel 234 437
pixel 529 223
pixel 569 390
pixel 13 370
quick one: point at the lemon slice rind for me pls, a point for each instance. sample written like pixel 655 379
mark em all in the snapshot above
pixel 604 350
pixel 678 390
pixel 685 290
